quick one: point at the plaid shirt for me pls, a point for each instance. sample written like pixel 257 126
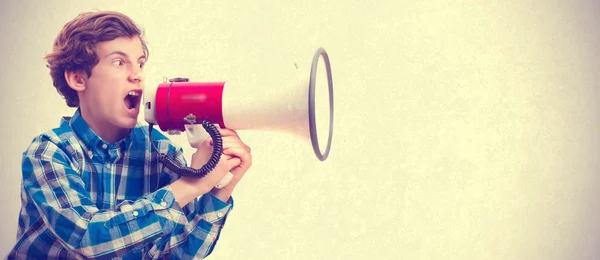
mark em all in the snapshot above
pixel 86 198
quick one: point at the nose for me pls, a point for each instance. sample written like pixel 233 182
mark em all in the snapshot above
pixel 136 76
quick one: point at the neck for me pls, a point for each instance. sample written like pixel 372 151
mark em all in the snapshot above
pixel 104 129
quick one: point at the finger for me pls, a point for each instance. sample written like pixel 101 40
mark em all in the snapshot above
pixel 233 144
pixel 235 139
pixel 246 158
pixel 236 151
pixel 233 163
pixel 229 161
pixel 227 132
pixel 225 157
pixel 230 141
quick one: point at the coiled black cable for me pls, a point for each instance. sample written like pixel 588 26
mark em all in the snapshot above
pixel 170 163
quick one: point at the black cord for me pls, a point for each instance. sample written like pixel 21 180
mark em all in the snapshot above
pixel 188 171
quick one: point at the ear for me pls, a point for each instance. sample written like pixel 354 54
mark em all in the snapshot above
pixel 76 79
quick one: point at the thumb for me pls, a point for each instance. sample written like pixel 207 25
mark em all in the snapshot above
pixel 232 162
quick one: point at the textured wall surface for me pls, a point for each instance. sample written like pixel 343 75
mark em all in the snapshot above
pixel 463 129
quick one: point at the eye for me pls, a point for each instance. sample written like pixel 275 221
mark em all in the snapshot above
pixel 118 63
pixel 141 64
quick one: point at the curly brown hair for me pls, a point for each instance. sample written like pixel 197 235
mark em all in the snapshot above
pixel 75 46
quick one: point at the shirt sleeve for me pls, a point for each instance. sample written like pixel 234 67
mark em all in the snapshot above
pixel 155 223
pixel 207 212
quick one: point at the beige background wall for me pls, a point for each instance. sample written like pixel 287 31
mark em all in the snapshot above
pixel 464 129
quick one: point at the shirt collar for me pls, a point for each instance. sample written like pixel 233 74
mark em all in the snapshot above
pixel 90 139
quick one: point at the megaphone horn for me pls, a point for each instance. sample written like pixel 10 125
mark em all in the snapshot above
pixel 179 103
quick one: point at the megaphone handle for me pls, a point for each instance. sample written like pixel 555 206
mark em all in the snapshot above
pixel 205 169
pixel 228 177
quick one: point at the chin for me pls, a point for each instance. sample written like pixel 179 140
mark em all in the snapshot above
pixel 127 123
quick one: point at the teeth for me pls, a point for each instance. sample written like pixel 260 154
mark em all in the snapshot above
pixel 133 93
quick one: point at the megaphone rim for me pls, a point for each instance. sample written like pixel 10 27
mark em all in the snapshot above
pixel 321 52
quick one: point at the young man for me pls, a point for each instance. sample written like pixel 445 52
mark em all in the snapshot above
pixel 93 187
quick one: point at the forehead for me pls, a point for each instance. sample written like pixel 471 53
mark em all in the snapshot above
pixel 132 47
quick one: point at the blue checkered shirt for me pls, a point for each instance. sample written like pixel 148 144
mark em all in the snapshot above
pixel 85 198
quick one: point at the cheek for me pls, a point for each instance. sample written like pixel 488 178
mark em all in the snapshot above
pixel 106 87
pixel 104 96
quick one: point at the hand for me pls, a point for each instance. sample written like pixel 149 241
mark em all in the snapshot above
pixel 202 155
pixel 185 189
pixel 236 158
pixel 233 146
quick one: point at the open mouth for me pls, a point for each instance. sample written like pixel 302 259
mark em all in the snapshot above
pixel 132 100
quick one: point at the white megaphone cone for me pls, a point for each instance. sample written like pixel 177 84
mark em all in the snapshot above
pixel 292 105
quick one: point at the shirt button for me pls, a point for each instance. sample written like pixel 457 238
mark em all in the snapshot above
pixel 107 166
pixel 169 217
pixel 104 146
pixel 135 213
pixel 164 204
pixel 219 214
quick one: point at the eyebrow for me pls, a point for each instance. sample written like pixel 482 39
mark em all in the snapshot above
pixel 124 54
